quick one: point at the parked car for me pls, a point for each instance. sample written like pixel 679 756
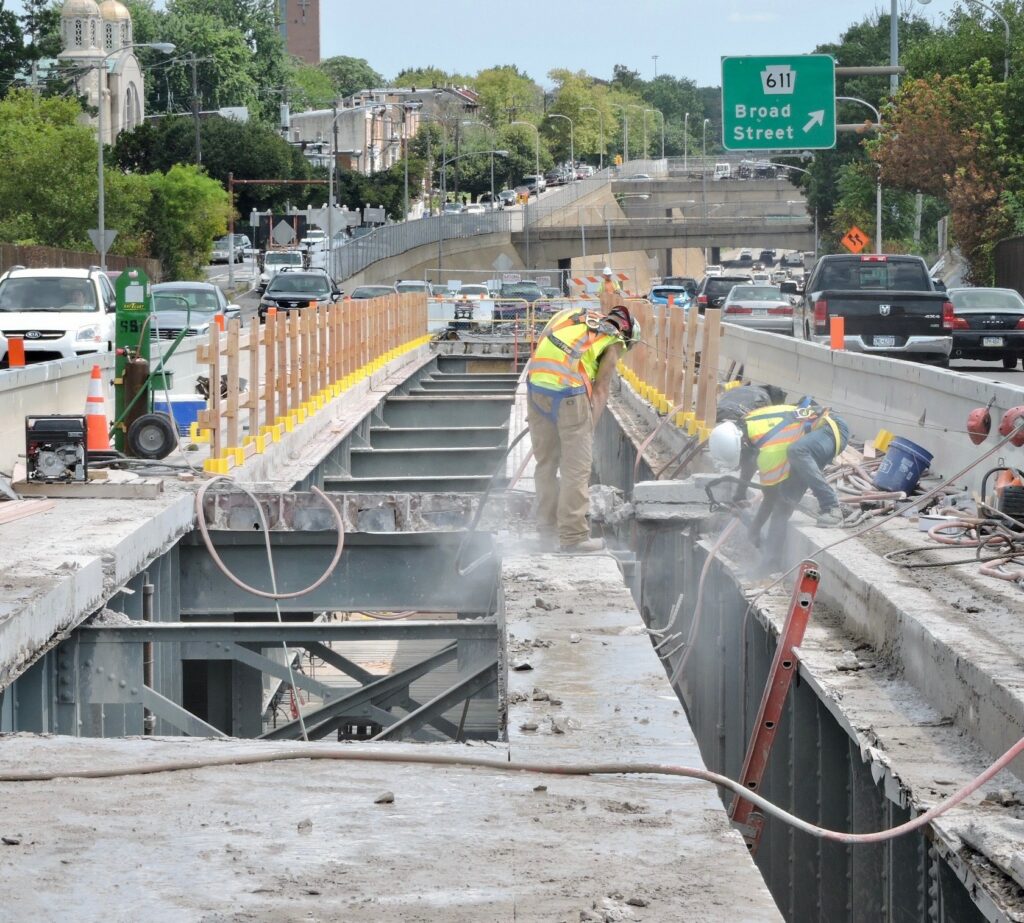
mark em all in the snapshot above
pixel 642 177
pixel 762 307
pixel 361 292
pixel 988 324
pixel 197 304
pixel 474 209
pixel 222 248
pixel 452 208
pixel 274 261
pixel 659 294
pixel 536 181
pixel 712 291
pixel 405 286
pixel 507 197
pixel 58 313
pixel 473 291
pixel 289 291
pixel 888 304
pixel 554 178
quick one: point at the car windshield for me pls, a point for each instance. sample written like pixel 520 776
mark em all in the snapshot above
pixel 473 290
pixel 283 259
pixel 196 299
pixel 372 291
pixel 305 284
pixel 411 286
pixel 987 299
pixel 39 293
pixel 874 275
pixel 756 293
pixel 519 289
pixel 663 291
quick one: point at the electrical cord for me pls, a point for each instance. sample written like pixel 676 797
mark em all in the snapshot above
pixel 353 754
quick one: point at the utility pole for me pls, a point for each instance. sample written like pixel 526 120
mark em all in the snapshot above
pixel 194 61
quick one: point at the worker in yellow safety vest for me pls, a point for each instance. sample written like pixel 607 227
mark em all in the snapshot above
pixel 568 381
pixel 609 284
pixel 789 445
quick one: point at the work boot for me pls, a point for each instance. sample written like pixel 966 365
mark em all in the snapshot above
pixel 587 546
pixel 833 517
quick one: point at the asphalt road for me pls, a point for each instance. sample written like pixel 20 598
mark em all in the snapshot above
pixel 992 370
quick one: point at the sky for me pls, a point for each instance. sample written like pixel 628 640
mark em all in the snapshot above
pixel 689 36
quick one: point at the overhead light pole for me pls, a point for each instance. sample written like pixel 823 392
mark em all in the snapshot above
pixel 686 141
pixel 101 204
pixel 644 111
pixel 495 136
pixel 625 130
pixel 572 142
pixel 600 116
pixel 878 184
pixel 536 147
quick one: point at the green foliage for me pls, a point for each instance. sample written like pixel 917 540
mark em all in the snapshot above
pixel 506 94
pixel 386 188
pixel 350 75
pixel 425 77
pixel 188 211
pixel 309 87
pixel 12 48
pixel 249 150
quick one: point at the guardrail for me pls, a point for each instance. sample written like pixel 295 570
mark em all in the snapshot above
pixel 274 375
pixel 591 215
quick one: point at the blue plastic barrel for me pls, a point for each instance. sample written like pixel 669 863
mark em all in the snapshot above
pixel 903 465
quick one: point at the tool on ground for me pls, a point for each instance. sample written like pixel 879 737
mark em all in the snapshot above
pixel 748 820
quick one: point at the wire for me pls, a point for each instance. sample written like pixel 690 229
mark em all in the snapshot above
pixel 570 769
pixel 204 531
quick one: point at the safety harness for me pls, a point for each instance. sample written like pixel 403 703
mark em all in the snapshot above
pixel 793 423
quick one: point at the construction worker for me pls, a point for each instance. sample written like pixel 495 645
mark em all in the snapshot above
pixel 608 285
pixel 736 403
pixel 568 381
pixel 790 446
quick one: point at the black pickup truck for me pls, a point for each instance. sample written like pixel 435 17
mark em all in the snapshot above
pixel 888 304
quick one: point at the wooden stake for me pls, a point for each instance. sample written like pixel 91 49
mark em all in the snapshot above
pixel 231 411
pixel 253 403
pixel 690 357
pixel 270 363
pixel 709 361
pixel 294 360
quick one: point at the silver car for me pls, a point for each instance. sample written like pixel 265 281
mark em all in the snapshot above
pixel 762 307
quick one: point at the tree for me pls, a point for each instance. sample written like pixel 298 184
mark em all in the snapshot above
pixel 430 76
pixel 189 210
pixel 349 75
pixel 505 93
pixel 40 23
pixel 12 49
pixel 309 87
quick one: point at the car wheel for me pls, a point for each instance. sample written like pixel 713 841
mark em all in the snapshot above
pixel 151 436
pixel 1010 362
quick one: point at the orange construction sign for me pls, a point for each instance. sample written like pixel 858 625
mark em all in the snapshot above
pixel 855 240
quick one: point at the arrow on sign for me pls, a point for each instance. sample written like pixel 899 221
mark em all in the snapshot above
pixel 816 118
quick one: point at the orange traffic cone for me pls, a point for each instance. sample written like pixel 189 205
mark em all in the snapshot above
pixel 97 439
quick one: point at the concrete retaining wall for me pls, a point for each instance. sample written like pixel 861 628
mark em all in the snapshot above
pixel 926 405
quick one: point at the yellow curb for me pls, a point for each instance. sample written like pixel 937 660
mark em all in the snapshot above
pixel 287 422
pixel 261 444
pixel 236 455
pixel 215 466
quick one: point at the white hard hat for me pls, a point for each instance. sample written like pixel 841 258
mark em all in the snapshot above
pixel 725 445
pixel 607 271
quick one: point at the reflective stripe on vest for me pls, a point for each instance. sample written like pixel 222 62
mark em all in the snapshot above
pixel 568 353
pixel 772 430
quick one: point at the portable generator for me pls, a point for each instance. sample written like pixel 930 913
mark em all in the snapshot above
pixel 1008 493
pixel 55 450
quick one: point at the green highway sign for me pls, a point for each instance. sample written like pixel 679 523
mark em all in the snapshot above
pixel 780 102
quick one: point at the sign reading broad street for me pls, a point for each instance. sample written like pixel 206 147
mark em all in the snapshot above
pixel 777 103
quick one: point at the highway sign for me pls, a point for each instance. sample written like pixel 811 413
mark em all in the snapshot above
pixel 777 103
pixel 855 240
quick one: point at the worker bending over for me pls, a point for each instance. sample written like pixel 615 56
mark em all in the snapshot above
pixel 790 446
pixel 568 381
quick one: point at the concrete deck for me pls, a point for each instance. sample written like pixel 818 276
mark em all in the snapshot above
pixel 233 843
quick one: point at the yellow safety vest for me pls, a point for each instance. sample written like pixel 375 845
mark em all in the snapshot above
pixel 569 351
pixel 772 430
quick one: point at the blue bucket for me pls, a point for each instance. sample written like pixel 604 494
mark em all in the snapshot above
pixel 903 465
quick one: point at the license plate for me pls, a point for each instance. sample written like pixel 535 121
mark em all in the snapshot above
pixel 885 341
pixel 991 341
pixel 760 312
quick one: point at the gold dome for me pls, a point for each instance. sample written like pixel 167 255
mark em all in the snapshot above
pixel 79 9
pixel 114 11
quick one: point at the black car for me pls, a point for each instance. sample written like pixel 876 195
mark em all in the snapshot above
pixel 288 291
pixel 684 281
pixel 712 291
pixel 766 257
pixel 988 324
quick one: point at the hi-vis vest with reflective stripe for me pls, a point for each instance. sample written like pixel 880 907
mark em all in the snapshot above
pixel 772 430
pixel 569 350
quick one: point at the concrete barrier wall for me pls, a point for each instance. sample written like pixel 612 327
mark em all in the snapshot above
pixel 929 406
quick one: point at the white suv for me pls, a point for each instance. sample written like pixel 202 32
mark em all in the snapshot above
pixel 59 313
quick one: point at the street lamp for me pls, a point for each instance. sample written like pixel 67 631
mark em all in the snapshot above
pixel 662 114
pixel 490 128
pixel 572 143
pixel 641 108
pixel 704 176
pixel 600 116
pixel 625 130
pixel 164 48
pixel 536 149
pixel 686 142
pixel 878 185
pixel 1006 26
pixel 788 166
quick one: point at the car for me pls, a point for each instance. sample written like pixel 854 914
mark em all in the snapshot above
pixel 766 257
pixel 722 171
pixel 274 261
pixel 660 294
pixel 195 304
pixel 452 208
pixel 745 256
pixel 362 292
pixel 58 313
pixel 222 248
pixel 760 277
pixel 524 191
pixel 537 181
pixel 713 269
pixel 315 238
pixel 291 290
pixel 762 307
pixel 551 291
pixel 484 199
pixel 474 209
pixel 712 290
pixel 555 178
pixel 640 177
pixel 472 291
pixel 406 286
pixel 507 197
pixel 779 275
pixel 988 324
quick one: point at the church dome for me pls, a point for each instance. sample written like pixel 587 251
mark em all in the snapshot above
pixel 80 9
pixel 114 11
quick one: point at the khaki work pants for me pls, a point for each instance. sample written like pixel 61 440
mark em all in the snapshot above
pixel 564 448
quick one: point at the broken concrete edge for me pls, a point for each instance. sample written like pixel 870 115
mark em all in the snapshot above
pixel 818 669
